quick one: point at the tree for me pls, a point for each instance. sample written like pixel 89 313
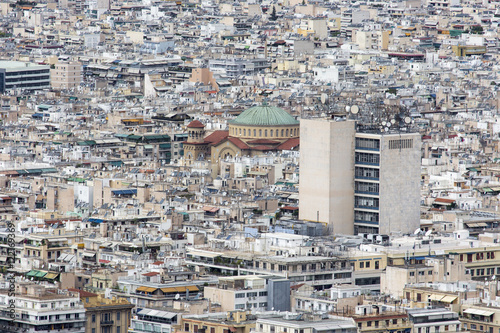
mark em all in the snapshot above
pixel 274 17
pixel 476 30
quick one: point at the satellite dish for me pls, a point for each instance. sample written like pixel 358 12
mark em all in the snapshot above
pixel 428 232
pixel 347 108
pixel 417 231
pixel 177 296
pixel 407 120
pixel 384 123
pixel 387 129
pixel 354 109
pixel 388 124
pixel 393 121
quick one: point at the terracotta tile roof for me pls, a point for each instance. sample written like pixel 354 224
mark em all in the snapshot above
pixel 196 124
pixel 83 293
pixel 216 137
pixel 262 147
pixel 158 263
pixel 263 142
pixel 289 144
pixel 150 274
pixel 238 143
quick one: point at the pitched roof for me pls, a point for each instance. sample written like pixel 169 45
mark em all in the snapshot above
pixel 289 144
pixel 196 124
pixel 83 293
pixel 238 143
pixel 216 137
pixel 262 147
pixel 263 142
pixel 150 274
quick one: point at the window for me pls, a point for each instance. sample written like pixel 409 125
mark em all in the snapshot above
pixel 369 323
pixel 93 330
pixel 240 295
pixel 212 329
pixel 394 321
pixel 361 265
pixel 93 318
pixel 366 143
pixel 367 264
pixel 118 316
pixel 186 327
pixel 118 329
pixel 265 133
pixel 367 158
pixel 412 273
pixel 363 187
pixel 271 135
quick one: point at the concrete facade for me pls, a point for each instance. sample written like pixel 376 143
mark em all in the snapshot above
pixel 327 173
pixel 371 179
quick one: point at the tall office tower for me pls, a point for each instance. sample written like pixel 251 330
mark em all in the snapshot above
pixel 326 189
pixel 387 183
pixel 359 182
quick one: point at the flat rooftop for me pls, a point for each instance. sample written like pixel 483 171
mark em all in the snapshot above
pixel 19 64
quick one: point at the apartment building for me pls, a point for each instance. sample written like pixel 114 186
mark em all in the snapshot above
pixel 66 75
pixel 258 293
pixel 41 309
pixel 17 76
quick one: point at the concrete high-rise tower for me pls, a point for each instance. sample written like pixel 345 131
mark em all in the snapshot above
pixel 359 182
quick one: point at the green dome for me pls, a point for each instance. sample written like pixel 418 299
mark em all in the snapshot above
pixel 264 115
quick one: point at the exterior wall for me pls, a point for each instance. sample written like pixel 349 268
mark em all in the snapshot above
pixel 66 75
pixel 15 75
pixel 327 173
pixel 101 318
pixel 224 297
pixel 278 295
pixel 259 132
pixel 400 185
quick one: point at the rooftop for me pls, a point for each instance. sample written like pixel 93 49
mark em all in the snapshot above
pixel 265 115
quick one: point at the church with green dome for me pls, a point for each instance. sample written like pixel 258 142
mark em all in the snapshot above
pixel 255 131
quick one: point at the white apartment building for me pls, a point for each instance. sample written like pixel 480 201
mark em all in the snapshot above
pixel 42 310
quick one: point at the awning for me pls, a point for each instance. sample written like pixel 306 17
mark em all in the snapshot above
pixel 476 224
pixel 210 209
pixel 125 192
pixel 179 289
pixel 436 298
pixel 40 274
pixel 51 276
pixel 146 289
pixel 478 312
pixel 31 273
pixel 88 254
pixel 449 299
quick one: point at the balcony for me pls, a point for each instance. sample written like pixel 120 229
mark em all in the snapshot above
pixel 107 322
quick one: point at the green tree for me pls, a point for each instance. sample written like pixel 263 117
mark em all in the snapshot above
pixel 274 17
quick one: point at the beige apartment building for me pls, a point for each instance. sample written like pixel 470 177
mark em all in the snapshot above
pixel 66 75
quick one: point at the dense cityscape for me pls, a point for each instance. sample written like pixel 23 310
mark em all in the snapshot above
pixel 280 166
